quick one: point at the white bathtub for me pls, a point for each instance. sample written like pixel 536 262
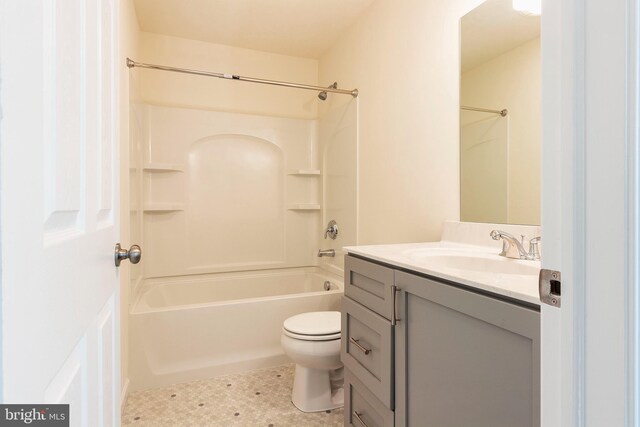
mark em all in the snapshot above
pixel 189 328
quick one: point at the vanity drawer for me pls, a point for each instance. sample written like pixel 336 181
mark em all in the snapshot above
pixel 367 352
pixel 360 403
pixel 370 284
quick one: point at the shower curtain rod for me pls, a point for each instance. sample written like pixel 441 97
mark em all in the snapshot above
pixel 131 64
pixel 503 112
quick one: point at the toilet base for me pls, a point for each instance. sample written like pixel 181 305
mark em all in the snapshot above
pixel 313 391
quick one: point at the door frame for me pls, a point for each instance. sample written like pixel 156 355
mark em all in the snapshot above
pixel 590 211
pixel 560 121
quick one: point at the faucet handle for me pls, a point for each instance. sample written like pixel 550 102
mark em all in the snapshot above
pixel 497 235
pixel 505 248
pixel 331 230
pixel 534 248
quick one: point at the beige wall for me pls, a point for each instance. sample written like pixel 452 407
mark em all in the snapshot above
pixel 512 81
pixel 403 56
pixel 128 46
pixel 183 90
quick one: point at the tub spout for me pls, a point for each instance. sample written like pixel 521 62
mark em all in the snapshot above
pixel 326 252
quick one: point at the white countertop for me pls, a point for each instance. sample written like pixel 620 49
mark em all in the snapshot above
pixel 523 287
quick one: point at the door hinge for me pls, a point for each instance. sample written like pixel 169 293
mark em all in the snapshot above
pixel 550 287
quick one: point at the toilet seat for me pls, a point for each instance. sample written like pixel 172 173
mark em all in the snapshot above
pixel 312 337
pixel 314 326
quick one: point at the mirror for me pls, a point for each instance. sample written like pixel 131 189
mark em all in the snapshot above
pixel 500 115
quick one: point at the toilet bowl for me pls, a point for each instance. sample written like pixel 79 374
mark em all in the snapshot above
pixel 312 341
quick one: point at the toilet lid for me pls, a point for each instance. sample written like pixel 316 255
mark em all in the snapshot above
pixel 316 323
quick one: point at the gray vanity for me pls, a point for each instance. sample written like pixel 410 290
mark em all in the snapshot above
pixel 422 351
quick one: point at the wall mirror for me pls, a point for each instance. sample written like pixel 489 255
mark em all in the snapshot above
pixel 500 113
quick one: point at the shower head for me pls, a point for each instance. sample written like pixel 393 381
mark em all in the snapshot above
pixel 323 95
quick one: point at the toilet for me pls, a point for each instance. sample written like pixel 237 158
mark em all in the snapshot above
pixel 312 341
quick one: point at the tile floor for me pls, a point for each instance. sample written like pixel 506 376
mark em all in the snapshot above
pixel 256 398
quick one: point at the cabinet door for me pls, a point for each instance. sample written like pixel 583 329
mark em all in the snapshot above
pixel 464 359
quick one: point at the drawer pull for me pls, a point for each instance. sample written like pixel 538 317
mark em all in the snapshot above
pixel 359 418
pixel 360 346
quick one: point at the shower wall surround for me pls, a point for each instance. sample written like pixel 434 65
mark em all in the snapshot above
pixel 338 140
pixel 229 192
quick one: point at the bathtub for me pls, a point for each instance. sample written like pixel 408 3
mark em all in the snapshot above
pixel 196 327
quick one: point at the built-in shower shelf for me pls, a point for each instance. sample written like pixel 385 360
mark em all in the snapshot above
pixel 163 207
pixel 163 167
pixel 304 207
pixel 304 172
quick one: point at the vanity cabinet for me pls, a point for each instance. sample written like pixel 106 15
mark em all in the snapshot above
pixel 454 357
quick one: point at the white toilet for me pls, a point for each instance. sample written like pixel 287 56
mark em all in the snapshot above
pixel 312 341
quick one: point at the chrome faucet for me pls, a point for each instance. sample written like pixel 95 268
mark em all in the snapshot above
pixel 332 230
pixel 514 248
pixel 326 252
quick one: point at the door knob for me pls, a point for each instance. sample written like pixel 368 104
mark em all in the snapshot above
pixel 133 254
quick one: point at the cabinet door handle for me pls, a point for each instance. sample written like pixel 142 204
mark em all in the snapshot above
pixel 360 346
pixel 394 315
pixel 359 418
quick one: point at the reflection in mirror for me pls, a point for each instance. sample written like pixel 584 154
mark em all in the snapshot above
pixel 500 115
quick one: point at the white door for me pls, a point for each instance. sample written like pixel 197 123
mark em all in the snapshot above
pixel 590 53
pixel 59 206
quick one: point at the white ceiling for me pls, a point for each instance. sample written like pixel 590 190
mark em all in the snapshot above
pixel 303 28
pixel 492 29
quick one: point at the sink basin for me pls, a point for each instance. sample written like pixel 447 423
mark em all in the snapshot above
pixel 481 264
pixel 419 254
pixel 471 260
